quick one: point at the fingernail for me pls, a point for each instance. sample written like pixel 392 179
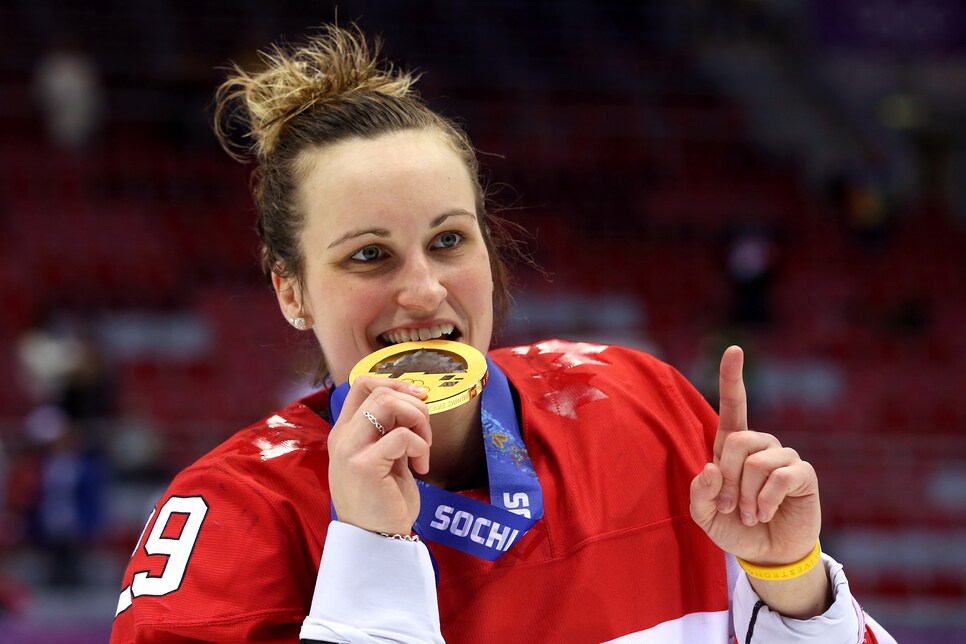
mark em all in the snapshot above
pixel 762 516
pixel 724 503
pixel 418 390
pixel 747 518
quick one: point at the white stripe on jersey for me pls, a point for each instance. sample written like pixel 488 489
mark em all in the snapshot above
pixel 693 627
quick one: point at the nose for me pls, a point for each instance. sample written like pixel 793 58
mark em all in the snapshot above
pixel 420 285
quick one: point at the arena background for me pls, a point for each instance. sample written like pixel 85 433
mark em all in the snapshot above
pixel 789 175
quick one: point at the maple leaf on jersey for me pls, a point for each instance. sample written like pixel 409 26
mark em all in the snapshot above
pixel 566 355
pixel 568 389
pixel 568 393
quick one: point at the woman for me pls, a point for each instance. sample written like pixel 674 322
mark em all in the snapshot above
pixel 625 501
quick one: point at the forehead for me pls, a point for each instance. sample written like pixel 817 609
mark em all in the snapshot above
pixel 415 172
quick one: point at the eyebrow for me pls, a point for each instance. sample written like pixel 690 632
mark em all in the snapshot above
pixel 382 232
pixel 378 232
pixel 453 213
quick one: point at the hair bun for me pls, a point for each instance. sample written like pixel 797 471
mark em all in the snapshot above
pixel 335 63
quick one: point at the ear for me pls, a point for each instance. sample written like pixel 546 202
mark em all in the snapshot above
pixel 290 299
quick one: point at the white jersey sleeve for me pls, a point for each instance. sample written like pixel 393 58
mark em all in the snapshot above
pixel 843 623
pixel 373 589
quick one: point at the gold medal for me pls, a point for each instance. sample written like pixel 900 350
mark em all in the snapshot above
pixel 454 372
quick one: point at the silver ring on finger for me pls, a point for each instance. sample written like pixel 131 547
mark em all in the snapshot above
pixel 375 423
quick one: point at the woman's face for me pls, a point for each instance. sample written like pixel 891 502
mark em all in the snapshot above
pixel 392 247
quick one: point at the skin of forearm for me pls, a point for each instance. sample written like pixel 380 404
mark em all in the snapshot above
pixel 799 598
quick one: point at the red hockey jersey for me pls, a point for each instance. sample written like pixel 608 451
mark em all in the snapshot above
pixel 232 550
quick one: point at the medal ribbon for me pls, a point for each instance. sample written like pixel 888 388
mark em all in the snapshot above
pixel 485 530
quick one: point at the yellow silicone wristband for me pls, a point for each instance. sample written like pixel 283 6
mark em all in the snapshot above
pixel 780 573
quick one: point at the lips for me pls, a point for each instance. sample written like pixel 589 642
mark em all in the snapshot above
pixel 444 331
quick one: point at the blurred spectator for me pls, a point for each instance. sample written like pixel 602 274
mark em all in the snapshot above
pixel 859 193
pixel 89 391
pixel 47 358
pixel 56 491
pixel 751 269
pixel 136 449
pixel 68 88
pixel 70 372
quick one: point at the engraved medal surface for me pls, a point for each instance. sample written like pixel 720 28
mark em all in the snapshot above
pixel 454 372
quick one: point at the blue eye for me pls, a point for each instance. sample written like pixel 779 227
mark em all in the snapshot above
pixel 448 240
pixel 368 254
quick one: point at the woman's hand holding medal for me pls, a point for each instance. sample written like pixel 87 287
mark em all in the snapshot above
pixel 759 500
pixel 383 433
pixel 370 480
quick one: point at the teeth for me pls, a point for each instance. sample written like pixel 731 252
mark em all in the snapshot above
pixel 412 335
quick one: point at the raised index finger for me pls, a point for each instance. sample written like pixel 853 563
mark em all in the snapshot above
pixel 733 409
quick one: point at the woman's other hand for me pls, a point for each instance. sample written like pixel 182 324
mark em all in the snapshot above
pixel 759 500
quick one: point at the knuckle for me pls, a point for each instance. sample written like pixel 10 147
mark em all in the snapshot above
pixel 733 443
pixel 768 439
pixel 757 463
pixel 783 477
pixel 368 382
pixel 383 398
pixel 808 471
pixel 747 441
pixel 735 439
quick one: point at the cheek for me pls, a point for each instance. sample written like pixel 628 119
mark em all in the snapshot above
pixel 350 308
pixel 479 287
pixel 473 279
pixel 343 313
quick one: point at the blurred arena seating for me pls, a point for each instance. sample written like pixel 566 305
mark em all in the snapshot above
pixel 635 174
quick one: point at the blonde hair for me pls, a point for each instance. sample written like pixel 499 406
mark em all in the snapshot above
pixel 325 70
pixel 331 88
